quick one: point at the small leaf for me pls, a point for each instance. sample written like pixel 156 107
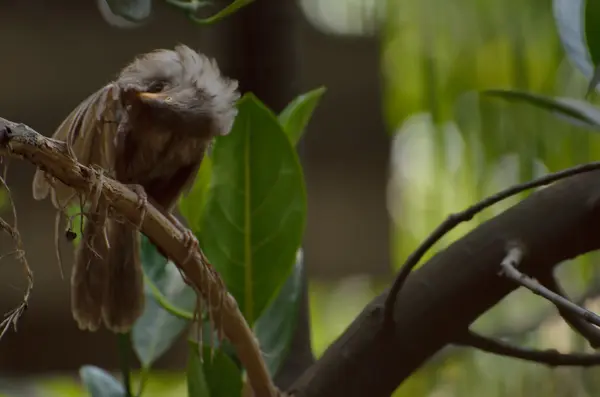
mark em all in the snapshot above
pixel 156 330
pixel 591 20
pixel 189 6
pixel 197 384
pixel 574 111
pixel 100 383
pixel 297 114
pixel 230 9
pixel 256 208
pixel 215 375
pixel 592 39
pixel 125 13
pixel 77 222
pixel 578 24
pixel 192 204
pixel 569 15
pixel 275 327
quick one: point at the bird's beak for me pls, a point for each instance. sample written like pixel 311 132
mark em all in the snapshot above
pixel 155 97
pixel 151 95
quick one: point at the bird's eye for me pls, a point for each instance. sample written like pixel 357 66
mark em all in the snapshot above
pixel 156 86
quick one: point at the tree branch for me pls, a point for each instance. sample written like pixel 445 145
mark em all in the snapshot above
pixel 454 219
pixel 589 331
pixel 509 269
pixel 441 299
pixel 19 140
pixel 549 357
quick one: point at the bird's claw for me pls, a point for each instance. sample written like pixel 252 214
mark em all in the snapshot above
pixel 191 243
pixel 142 202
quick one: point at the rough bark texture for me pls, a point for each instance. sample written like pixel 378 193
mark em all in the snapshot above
pixel 442 298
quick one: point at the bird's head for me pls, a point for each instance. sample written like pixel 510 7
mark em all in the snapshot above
pixel 181 88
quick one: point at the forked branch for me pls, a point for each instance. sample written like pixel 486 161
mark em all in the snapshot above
pixel 509 269
pixel 589 331
pixel 455 219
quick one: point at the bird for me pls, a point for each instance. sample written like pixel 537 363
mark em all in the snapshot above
pixel 148 129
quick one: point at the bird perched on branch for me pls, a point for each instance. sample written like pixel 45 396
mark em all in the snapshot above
pixel 149 129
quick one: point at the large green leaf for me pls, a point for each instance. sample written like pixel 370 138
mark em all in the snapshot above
pixel 192 204
pixel 213 376
pixel 256 208
pixel 578 23
pixel 296 115
pixel 156 330
pixel 275 327
pixel 100 383
pixel 576 112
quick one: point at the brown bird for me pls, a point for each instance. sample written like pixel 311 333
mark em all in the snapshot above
pixel 149 129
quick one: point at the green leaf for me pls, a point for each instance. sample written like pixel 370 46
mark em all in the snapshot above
pixel 156 330
pixel 256 208
pixel 189 6
pixel 215 375
pixel 125 13
pixel 578 23
pixel 77 221
pixel 197 383
pixel 192 204
pixel 275 327
pixel 230 9
pixel 100 383
pixel 297 114
pixel 592 30
pixel 569 17
pixel 574 111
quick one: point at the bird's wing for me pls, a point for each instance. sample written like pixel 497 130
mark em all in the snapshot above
pixel 89 131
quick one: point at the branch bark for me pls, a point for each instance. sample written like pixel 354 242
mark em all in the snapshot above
pixel 19 140
pixel 442 298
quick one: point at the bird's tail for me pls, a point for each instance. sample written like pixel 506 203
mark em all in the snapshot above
pixel 107 280
pixel 124 294
pixel 90 274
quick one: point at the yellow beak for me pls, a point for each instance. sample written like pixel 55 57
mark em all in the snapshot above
pixel 151 95
pixel 155 96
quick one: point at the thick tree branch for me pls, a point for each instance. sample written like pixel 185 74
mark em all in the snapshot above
pixel 549 357
pixel 441 299
pixel 18 140
pixel 454 219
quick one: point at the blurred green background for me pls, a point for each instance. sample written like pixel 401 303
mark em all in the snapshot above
pixel 443 148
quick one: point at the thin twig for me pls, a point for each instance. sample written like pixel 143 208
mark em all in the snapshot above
pixel 589 331
pixel 509 270
pixel 549 357
pixel 454 219
pixel 13 316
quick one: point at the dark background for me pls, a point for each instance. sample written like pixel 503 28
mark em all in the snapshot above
pixel 55 53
